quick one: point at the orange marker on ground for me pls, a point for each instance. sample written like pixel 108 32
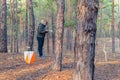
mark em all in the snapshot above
pixel 29 56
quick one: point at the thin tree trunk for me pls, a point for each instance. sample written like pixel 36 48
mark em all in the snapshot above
pixel 3 28
pixel 104 43
pixel 11 25
pixel 48 36
pixel 101 24
pixel 105 52
pixel 32 25
pixel 21 32
pixel 26 24
pixel 75 54
pixel 69 38
pixel 69 9
pixel 48 49
pixel 85 39
pixel 119 32
pixel 48 46
pixel 53 33
pixel 17 40
pixel 15 29
pixel 59 35
pixel 68 33
pixel 119 22
pixel 112 29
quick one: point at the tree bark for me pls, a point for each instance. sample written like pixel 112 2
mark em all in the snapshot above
pixel 119 32
pixel 59 35
pixel 21 31
pixel 53 33
pixel 85 39
pixel 119 22
pixel 69 9
pixel 3 28
pixel 48 42
pixel 68 33
pixel 11 25
pixel 101 23
pixel 26 24
pixel 15 28
pixel 112 29
pixel 32 25
pixel 69 38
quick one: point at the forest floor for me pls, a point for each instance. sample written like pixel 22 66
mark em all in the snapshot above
pixel 13 66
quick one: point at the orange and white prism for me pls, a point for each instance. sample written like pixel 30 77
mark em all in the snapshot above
pixel 29 56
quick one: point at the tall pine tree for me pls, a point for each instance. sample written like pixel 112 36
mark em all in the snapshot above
pixel 32 25
pixel 59 35
pixel 3 27
pixel 87 11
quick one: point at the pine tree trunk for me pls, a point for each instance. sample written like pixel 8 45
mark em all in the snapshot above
pixel 59 35
pixel 119 22
pixel 68 33
pixel 101 23
pixel 85 39
pixel 11 25
pixel 48 35
pixel 69 9
pixel 32 25
pixel 17 40
pixel 119 32
pixel 48 46
pixel 21 32
pixel 53 33
pixel 3 28
pixel 13 36
pixel 112 29
pixel 15 29
pixel 26 24
pixel 69 38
